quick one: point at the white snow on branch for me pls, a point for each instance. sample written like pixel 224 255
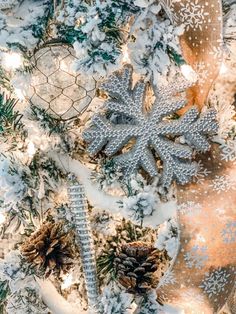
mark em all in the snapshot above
pixel 102 201
pixel 54 301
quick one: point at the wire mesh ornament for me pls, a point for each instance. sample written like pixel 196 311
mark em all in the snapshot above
pixel 55 86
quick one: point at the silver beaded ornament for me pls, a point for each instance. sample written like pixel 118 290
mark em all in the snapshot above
pixel 79 209
pixel 153 132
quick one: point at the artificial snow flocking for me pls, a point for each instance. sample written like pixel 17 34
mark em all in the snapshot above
pixel 153 133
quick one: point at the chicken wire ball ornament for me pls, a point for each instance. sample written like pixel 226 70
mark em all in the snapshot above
pixel 55 86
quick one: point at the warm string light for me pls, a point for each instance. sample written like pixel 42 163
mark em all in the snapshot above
pixel 67 282
pixel 19 94
pixel 125 58
pixel 223 69
pixel 189 73
pixel 11 61
pixel 2 218
pixel 31 150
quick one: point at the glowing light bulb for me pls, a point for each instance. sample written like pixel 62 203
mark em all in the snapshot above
pixel 189 73
pixel 11 60
pixel 125 58
pixel 31 150
pixel 2 218
pixel 68 281
pixel 223 69
pixel 19 94
pixel 200 238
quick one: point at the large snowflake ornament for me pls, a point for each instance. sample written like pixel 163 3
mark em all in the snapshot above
pixel 152 132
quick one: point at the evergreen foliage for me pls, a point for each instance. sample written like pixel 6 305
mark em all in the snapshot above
pixel 10 120
pixel 48 122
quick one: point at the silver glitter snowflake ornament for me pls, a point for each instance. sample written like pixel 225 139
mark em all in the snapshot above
pixel 153 133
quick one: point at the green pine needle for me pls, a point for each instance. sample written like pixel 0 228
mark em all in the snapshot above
pixel 4 291
pixel 10 120
pixel 48 122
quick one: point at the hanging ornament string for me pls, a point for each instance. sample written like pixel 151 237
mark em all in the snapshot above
pixel 79 208
pixel 201 42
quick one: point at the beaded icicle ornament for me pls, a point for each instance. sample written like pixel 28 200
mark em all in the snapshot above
pixel 79 209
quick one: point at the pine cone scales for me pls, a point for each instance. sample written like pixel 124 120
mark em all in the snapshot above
pixel 50 248
pixel 139 266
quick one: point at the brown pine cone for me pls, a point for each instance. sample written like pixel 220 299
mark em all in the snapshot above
pixel 139 266
pixel 50 248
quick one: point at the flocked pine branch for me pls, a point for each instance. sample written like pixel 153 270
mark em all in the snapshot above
pixel 150 130
pixel 48 122
pixel 10 119
pixel 96 29
pixel 33 18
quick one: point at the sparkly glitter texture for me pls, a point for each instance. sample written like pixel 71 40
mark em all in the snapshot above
pixel 79 208
pixel 151 130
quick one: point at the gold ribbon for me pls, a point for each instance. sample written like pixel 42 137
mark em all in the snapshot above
pixel 201 42
pixel 204 272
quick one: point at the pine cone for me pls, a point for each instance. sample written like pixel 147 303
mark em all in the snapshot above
pixel 50 248
pixel 139 266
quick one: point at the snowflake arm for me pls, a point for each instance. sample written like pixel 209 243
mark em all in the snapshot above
pixel 176 161
pixel 151 132
pixel 193 127
pixel 95 136
pixel 161 110
pixel 139 156
pixel 123 99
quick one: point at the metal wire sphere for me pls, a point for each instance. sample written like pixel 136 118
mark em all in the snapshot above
pixel 55 86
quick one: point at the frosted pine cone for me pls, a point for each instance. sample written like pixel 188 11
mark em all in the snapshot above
pixel 50 248
pixel 139 266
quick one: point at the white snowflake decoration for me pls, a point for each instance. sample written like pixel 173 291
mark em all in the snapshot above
pixel 223 184
pixel 193 297
pixel 151 130
pixel 196 257
pixel 229 150
pixel 202 71
pixel 229 232
pixel 167 279
pixel 214 282
pixel 201 174
pixel 190 208
pixel 193 14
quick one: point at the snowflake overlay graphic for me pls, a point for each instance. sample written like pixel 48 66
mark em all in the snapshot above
pixel 193 297
pixel 167 279
pixel 201 173
pixel 229 150
pixel 189 208
pixel 215 282
pixel 216 52
pixel 223 184
pixel 196 257
pixel 229 232
pixel 202 71
pixel 193 14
